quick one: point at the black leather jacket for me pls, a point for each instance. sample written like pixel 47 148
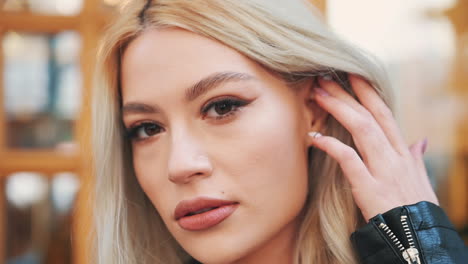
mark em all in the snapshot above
pixel 420 233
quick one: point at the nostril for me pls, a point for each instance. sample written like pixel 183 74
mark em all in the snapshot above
pixel 187 161
pixel 185 172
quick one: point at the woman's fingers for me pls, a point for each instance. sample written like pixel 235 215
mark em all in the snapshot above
pixel 381 112
pixel 354 169
pixel 337 91
pixel 368 136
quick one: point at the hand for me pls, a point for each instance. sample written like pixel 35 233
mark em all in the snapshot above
pixel 389 174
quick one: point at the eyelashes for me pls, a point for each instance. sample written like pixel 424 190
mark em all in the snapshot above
pixel 222 108
pixel 218 109
pixel 143 130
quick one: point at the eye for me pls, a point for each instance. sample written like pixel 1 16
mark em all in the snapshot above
pixel 143 131
pixel 222 108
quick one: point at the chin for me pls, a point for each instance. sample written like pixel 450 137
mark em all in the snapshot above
pixel 233 255
pixel 217 253
pixel 220 246
pixel 217 260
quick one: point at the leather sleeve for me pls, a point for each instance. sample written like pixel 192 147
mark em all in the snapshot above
pixel 385 238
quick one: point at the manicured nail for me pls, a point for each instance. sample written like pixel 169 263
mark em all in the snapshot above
pixel 321 91
pixel 424 146
pixel 315 134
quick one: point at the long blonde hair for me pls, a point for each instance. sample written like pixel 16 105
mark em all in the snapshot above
pixel 129 229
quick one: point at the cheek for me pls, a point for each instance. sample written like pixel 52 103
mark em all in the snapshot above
pixel 277 153
pixel 265 153
pixel 150 169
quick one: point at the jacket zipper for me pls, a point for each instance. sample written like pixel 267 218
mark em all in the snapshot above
pixel 410 254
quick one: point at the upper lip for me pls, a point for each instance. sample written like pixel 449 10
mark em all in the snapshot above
pixel 189 206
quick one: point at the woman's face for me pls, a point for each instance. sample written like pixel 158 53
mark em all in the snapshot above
pixel 219 145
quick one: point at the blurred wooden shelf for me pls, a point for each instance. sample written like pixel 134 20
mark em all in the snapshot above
pixel 38 161
pixel 30 22
pixel 25 21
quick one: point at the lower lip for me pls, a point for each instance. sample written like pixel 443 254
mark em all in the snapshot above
pixel 207 219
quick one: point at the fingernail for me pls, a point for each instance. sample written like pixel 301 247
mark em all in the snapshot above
pixel 315 134
pixel 424 145
pixel 321 91
pixel 327 77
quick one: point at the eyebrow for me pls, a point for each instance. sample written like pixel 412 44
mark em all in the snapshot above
pixel 193 92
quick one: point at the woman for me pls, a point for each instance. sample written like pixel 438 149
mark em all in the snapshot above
pixel 209 118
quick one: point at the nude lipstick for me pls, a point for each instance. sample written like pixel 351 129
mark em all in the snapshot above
pixel 203 212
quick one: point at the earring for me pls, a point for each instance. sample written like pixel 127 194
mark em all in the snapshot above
pixel 327 77
pixel 315 134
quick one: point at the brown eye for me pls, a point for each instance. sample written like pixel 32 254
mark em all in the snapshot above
pixel 151 129
pixel 144 130
pixel 223 108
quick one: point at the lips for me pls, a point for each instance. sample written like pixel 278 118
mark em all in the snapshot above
pixel 203 212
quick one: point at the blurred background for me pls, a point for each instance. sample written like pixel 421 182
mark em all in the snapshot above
pixel 46 63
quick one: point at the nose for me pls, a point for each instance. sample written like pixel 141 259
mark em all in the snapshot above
pixel 187 160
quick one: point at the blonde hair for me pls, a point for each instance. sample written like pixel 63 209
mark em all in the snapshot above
pixel 129 229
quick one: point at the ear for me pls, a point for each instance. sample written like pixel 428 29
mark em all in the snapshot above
pixel 314 116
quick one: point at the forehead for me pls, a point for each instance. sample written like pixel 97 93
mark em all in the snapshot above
pixel 166 54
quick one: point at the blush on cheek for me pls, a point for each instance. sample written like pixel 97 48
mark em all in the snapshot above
pixel 149 173
pixel 150 159
pixel 268 140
